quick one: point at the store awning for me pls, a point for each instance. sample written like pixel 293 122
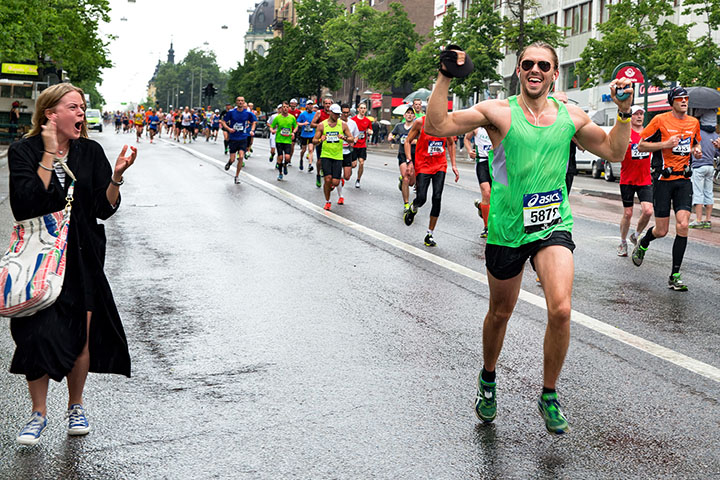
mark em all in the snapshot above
pixel 660 106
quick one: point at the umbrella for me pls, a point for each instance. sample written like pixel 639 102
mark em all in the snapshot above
pixel 703 97
pixel 422 94
pixel 385 122
pixel 401 109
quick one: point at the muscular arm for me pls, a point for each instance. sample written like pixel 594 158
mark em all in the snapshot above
pixel 348 135
pixel 592 138
pixel 315 121
pixel 318 134
pixel 440 123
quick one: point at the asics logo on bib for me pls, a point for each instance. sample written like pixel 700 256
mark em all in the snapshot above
pixel 544 198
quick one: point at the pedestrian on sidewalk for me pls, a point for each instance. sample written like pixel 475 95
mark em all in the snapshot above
pixel 81 332
pixel 703 171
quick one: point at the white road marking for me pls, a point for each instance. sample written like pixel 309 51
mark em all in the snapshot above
pixel 679 359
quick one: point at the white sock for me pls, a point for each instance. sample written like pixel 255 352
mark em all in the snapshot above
pixel 430 232
pixel 339 189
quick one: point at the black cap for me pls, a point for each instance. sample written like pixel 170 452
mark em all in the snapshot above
pixel 676 92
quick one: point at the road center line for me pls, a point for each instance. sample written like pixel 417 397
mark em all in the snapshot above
pixel 679 359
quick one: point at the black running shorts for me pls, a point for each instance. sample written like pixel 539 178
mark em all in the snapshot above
pixel 504 263
pixel 360 153
pixel 627 193
pixel 482 170
pixel 305 140
pixel 332 167
pixel 348 159
pixel 678 192
pixel 284 148
pixel 237 145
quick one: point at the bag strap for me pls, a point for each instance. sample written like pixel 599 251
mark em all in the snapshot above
pixel 66 168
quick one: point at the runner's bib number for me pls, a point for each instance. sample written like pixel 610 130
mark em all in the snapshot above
pixel 308 128
pixel 541 210
pixel 285 132
pixel 361 135
pixel 636 154
pixel 683 147
pixel 239 127
pixel 332 137
pixel 402 139
pixel 435 147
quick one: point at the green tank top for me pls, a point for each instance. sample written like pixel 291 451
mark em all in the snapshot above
pixel 529 198
pixel 332 145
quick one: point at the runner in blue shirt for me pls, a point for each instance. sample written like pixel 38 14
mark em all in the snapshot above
pixel 240 124
pixel 153 122
pixel 306 134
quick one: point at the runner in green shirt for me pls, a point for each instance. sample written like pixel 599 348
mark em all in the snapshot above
pixel 529 211
pixel 284 127
pixel 331 134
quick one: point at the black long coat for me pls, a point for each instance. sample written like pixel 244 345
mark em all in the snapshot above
pixel 50 341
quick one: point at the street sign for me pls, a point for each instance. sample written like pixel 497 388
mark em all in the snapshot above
pixel 19 69
pixel 631 72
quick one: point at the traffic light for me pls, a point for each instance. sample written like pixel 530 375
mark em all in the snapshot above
pixel 210 90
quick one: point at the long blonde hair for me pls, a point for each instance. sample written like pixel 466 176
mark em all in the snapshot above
pixel 49 98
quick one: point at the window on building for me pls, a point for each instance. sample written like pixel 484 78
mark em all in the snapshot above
pixel 371 3
pixel 5 91
pixel 571 78
pixel 604 10
pixel 260 50
pixel 549 19
pixel 352 8
pixel 578 19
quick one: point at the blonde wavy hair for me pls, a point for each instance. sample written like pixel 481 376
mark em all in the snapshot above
pixel 47 100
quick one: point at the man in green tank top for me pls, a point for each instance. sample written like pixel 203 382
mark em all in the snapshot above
pixel 331 134
pixel 529 210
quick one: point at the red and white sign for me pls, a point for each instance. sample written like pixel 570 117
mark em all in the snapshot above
pixel 440 7
pixel 631 73
pixel 376 100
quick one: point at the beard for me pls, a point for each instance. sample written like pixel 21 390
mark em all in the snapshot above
pixel 543 92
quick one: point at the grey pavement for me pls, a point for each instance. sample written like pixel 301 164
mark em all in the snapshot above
pixel 273 340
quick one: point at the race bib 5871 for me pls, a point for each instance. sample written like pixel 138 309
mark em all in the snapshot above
pixel 541 210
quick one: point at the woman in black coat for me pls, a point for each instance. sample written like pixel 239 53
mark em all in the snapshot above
pixel 81 331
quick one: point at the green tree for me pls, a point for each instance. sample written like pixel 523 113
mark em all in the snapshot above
pixel 634 30
pixel 702 67
pixel 394 39
pixel 197 69
pixel 479 33
pixel 518 32
pixel 315 65
pixel 57 34
pixel 353 40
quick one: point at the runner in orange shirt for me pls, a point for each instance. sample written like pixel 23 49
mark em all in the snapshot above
pixel 674 136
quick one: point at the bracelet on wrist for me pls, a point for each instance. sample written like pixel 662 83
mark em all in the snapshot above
pixel 40 164
pixel 117 184
pixel 623 120
pixel 51 153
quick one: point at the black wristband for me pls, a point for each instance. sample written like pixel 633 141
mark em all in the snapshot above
pixel 444 73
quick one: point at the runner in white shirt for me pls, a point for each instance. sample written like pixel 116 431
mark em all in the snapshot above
pixel 481 153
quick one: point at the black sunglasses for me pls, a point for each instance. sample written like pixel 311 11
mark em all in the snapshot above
pixel 527 65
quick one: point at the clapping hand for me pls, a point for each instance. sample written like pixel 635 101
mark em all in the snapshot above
pixel 124 162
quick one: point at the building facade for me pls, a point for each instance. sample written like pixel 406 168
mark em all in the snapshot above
pixel 284 11
pixel 260 27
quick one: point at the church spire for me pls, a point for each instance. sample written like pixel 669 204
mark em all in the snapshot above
pixel 171 54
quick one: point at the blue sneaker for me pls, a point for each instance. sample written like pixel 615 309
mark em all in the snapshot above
pixel 30 434
pixel 280 177
pixel 77 421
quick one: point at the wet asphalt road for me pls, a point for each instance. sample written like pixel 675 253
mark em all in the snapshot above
pixel 270 341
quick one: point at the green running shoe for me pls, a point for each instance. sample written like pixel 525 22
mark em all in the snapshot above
pixel 317 182
pixel 400 183
pixel 430 241
pixel 549 409
pixel 409 215
pixel 638 254
pixel 675 282
pixel 485 401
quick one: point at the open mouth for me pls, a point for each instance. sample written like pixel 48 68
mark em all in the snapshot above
pixel 78 126
pixel 536 81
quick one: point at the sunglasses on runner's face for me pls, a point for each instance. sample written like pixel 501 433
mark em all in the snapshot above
pixel 527 65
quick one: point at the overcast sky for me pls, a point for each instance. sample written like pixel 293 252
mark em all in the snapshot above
pixel 144 38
